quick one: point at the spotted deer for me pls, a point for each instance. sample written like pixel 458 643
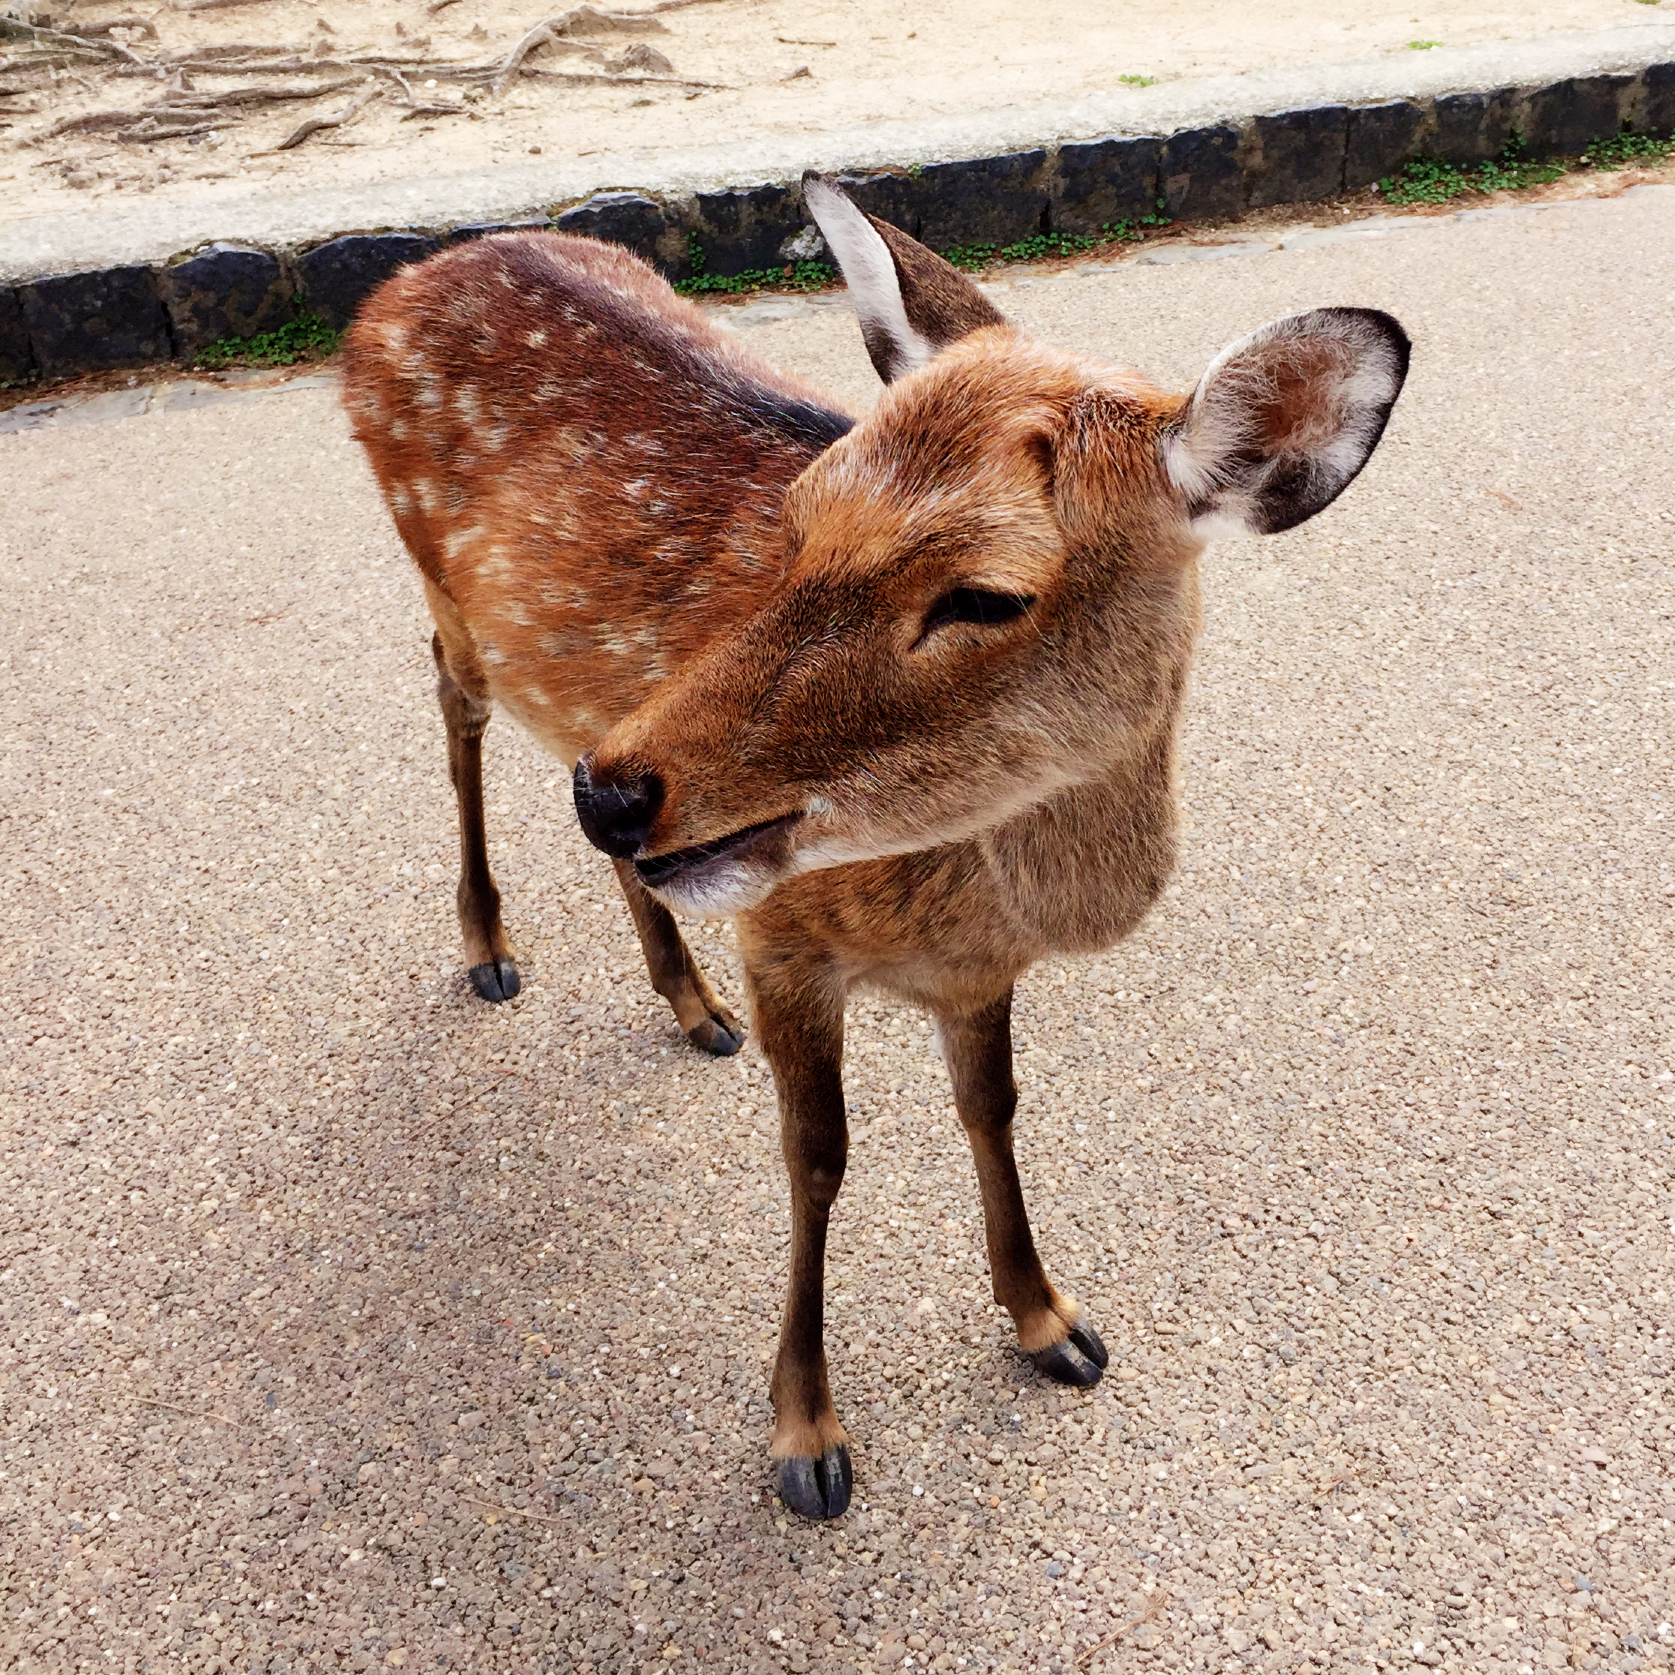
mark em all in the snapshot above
pixel 898 695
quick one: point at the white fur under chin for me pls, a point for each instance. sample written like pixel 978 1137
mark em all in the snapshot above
pixel 721 894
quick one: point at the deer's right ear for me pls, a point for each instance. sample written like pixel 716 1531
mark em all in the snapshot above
pixel 911 303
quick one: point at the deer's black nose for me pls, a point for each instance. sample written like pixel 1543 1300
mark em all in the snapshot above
pixel 616 813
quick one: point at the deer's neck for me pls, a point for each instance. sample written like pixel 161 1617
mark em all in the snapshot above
pixel 1078 872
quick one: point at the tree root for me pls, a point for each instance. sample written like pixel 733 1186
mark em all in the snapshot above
pixel 315 123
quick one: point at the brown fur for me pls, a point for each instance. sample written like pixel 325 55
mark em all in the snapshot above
pixel 665 556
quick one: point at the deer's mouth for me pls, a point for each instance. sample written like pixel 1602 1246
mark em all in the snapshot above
pixel 723 866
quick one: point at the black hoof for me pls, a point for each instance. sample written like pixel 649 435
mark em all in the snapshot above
pixel 495 980
pixel 1087 1340
pixel 1079 1359
pixel 817 1488
pixel 714 1037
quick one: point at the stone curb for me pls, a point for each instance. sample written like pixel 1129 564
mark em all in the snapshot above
pixel 62 325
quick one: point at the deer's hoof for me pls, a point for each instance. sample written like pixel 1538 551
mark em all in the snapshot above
pixel 496 980
pixel 1079 1359
pixel 817 1488
pixel 719 1035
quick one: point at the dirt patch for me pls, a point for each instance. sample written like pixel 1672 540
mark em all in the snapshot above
pixel 201 99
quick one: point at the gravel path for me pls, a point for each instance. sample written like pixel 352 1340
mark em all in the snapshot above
pixel 350 1323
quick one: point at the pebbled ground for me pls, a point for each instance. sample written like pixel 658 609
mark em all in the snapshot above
pixel 349 1323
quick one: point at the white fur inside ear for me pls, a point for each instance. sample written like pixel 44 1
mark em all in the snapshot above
pixel 1232 473
pixel 869 272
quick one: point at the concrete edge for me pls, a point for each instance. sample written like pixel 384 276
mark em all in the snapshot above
pixel 57 326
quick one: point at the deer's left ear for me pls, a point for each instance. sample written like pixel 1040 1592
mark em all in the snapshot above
pixel 911 303
pixel 1284 419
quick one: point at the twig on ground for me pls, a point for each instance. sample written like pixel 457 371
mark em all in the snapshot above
pixel 545 33
pixel 185 101
pixel 216 5
pixel 579 78
pixel 315 123
pixel 440 5
pixel 11 28
pixel 190 1412
pixel 415 105
pixel 149 132
pixel 236 58
pixel 1156 1603
pixel 89 30
pixel 91 122
pixel 1347 1475
pixel 512 1511
pixel 474 1097
pixel 227 49
pixel 400 80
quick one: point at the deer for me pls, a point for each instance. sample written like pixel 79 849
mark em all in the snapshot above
pixel 897 695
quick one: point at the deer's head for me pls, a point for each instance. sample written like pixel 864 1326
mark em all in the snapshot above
pixel 990 583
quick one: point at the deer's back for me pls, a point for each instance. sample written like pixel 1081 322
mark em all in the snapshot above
pixel 586 472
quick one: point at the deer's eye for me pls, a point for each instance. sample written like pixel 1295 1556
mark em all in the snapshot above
pixel 975 604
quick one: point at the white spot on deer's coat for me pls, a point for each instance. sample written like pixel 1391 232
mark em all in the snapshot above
pixel 535 340
pixel 394 336
pixel 401 502
pixel 457 540
pixel 468 406
pixel 429 495
pixel 565 597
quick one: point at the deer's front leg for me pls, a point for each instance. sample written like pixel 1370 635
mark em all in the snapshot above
pixel 977 1047
pixel 799 1020
pixel 493 971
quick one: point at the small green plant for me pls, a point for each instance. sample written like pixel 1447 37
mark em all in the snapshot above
pixel 306 338
pixel 1426 181
pixel 1138 81
pixel 1039 246
pixel 1032 249
pixel 793 276
pixel 1513 170
pixel 1422 46
pixel 1624 149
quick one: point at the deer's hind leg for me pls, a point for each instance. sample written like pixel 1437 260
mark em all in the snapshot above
pixel 675 974
pixel 463 694
pixel 977 1047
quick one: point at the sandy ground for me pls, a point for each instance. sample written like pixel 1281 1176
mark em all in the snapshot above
pixel 349 1323
pixel 729 71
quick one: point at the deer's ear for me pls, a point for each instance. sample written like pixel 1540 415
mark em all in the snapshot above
pixel 1284 419
pixel 910 302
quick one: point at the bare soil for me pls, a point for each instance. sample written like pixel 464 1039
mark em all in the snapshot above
pixel 160 100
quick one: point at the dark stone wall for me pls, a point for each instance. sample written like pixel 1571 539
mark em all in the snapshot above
pixel 124 316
